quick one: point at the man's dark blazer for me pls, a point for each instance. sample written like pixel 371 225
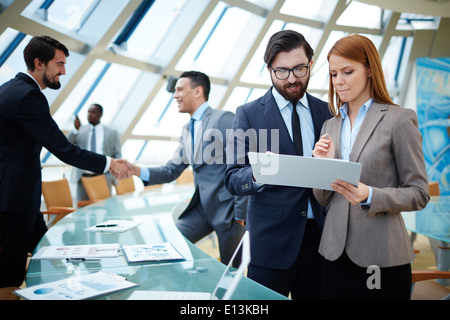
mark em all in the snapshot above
pixel 276 215
pixel 25 127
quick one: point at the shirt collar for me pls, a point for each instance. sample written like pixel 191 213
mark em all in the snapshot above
pixel 198 114
pixel 29 74
pixel 282 102
pixel 99 126
pixel 364 108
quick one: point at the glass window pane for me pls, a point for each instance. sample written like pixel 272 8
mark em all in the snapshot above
pixel 158 20
pixel 221 43
pixel 241 96
pixel 319 76
pixel 131 149
pixel 360 14
pixel 34 5
pixel 320 10
pixel 15 63
pixel 6 38
pixel 410 21
pixel 110 92
pixel 70 14
pixel 158 152
pixel 65 114
pixel 162 117
pixel 395 62
pixel 256 70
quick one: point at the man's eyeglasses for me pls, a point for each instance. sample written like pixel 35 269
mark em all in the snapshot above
pixel 299 72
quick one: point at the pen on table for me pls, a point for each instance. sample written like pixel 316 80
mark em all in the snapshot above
pixel 106 225
pixel 80 259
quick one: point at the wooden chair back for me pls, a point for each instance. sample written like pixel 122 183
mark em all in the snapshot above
pixel 125 186
pixel 57 193
pixel 96 187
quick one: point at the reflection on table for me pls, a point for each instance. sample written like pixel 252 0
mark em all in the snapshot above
pixel 153 210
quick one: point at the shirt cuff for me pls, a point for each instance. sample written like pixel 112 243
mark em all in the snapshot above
pixel 145 174
pixel 108 164
pixel 258 186
pixel 369 198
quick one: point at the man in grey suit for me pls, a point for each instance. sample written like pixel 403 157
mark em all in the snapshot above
pixel 212 207
pixel 97 138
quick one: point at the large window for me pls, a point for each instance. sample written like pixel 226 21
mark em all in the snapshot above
pixel 123 53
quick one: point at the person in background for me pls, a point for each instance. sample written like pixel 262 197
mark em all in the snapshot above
pixel 284 223
pixel 212 207
pixel 364 227
pixel 26 126
pixel 94 137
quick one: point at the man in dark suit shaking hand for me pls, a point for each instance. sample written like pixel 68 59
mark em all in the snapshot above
pixel 26 126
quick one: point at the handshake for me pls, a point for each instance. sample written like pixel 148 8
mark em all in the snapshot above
pixel 122 169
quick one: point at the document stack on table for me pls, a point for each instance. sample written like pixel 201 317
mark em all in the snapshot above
pixel 77 287
pixel 152 253
pixel 90 251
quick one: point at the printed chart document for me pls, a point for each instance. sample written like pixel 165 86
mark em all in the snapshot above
pixel 298 171
pixel 148 253
pixel 77 288
pixel 113 226
pixel 94 251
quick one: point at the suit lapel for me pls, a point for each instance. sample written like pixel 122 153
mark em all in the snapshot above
pixel 335 132
pixel 272 116
pixel 317 116
pixel 371 120
pixel 186 141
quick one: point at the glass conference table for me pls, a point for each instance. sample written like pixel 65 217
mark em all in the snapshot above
pixel 433 222
pixel 153 210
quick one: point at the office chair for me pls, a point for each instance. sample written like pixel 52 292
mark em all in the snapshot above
pixel 186 177
pixel 96 187
pixel 58 200
pixel 433 188
pixel 425 288
pixel 125 186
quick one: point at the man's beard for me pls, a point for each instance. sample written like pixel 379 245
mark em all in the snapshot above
pixel 292 96
pixel 55 85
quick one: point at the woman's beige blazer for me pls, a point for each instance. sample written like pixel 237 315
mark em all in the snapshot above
pixel 389 147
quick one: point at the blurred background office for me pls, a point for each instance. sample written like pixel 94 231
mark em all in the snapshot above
pixel 124 53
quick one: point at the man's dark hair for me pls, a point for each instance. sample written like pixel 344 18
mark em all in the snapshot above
pixel 42 48
pixel 98 106
pixel 198 79
pixel 285 41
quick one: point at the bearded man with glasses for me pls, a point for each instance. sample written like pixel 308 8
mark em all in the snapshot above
pixel 285 223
